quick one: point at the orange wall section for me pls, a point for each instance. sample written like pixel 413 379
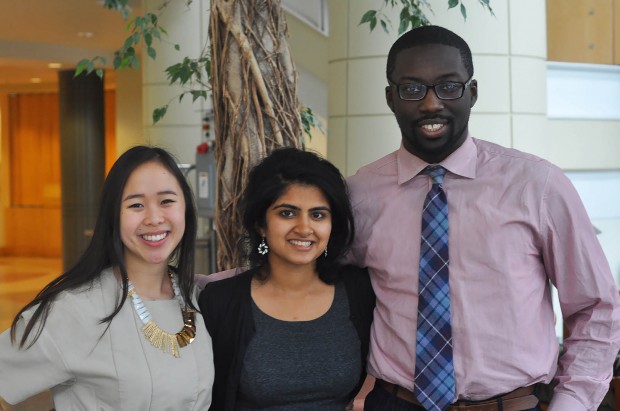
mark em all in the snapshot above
pixel 32 220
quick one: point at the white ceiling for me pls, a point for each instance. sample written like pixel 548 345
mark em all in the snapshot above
pixel 34 33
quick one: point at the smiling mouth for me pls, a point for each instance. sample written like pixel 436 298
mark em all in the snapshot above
pixel 156 237
pixel 432 127
pixel 301 243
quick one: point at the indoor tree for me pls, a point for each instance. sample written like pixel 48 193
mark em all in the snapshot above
pixel 248 70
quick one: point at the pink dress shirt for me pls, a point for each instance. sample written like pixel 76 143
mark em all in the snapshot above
pixel 516 223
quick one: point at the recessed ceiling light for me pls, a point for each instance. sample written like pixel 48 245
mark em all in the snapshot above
pixel 54 65
pixel 86 34
pixel 35 80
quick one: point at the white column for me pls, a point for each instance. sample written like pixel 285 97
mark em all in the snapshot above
pixel 180 130
pixel 509 52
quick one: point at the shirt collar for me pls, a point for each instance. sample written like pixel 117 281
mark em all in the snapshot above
pixel 462 162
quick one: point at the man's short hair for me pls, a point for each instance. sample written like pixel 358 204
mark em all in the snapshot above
pixel 425 35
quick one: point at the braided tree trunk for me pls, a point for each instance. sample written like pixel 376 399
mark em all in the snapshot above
pixel 256 110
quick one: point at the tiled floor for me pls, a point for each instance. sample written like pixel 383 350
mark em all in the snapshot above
pixel 21 278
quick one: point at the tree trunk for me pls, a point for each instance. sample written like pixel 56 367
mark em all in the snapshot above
pixel 256 110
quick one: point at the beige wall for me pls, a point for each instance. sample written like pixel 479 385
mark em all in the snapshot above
pixel 584 145
pixel 308 47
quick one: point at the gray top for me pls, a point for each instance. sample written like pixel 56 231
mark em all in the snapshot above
pixel 91 366
pixel 301 365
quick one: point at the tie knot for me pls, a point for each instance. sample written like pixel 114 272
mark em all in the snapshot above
pixel 436 173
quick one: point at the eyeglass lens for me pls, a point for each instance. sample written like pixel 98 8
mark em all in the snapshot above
pixel 449 90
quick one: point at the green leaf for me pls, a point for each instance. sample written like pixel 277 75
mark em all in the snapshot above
pixel 368 16
pixel 99 73
pixel 404 14
pixel 463 11
pixel 81 66
pixel 384 25
pixel 151 52
pixel 140 23
pixel 208 68
pixel 373 23
pixel 452 3
pixel 128 42
pixel 159 113
pixel 309 120
pixel 487 4
pixel 118 5
pixel 148 39
pixel 404 24
pixel 177 47
pixel 196 94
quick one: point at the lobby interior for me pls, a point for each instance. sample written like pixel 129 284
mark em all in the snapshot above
pixel 582 41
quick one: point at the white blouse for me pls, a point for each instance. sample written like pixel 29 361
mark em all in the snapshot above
pixel 89 367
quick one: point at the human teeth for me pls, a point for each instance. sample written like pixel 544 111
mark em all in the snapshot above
pixel 432 127
pixel 301 243
pixel 154 237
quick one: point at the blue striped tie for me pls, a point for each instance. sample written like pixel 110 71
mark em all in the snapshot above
pixel 434 369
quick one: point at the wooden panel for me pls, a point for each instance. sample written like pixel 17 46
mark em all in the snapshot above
pixel 33 219
pixel 617 51
pixel 110 129
pixel 580 31
pixel 34 231
pixel 34 149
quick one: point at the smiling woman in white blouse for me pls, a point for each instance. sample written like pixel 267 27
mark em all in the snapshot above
pixel 120 330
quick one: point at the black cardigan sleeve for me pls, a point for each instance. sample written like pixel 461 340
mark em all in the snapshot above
pixel 226 310
pixel 361 306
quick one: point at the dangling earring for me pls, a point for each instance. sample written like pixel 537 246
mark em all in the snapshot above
pixel 325 252
pixel 263 248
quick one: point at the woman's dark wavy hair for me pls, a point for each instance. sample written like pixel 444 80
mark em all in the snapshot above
pixel 271 178
pixel 425 35
pixel 106 248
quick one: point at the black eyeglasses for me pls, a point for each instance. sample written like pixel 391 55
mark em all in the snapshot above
pixel 446 90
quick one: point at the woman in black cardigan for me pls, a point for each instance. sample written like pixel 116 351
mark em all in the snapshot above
pixel 292 332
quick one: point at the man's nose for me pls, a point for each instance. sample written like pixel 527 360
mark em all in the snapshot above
pixel 430 102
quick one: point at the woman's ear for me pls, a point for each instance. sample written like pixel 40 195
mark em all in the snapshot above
pixel 260 230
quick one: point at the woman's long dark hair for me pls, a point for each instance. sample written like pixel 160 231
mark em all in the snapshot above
pixel 271 178
pixel 106 248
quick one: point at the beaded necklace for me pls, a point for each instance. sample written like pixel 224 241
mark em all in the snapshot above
pixel 158 338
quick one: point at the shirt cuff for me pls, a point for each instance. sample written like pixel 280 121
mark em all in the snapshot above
pixel 563 402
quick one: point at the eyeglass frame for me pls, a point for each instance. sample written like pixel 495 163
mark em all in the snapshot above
pixel 432 86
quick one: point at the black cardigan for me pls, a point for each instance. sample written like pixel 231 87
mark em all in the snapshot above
pixel 227 311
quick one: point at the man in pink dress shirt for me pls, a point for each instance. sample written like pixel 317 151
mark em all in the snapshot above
pixel 517 225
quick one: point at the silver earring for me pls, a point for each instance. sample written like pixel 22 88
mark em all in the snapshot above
pixel 263 248
pixel 325 252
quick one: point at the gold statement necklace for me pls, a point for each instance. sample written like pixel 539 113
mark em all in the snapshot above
pixel 159 338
